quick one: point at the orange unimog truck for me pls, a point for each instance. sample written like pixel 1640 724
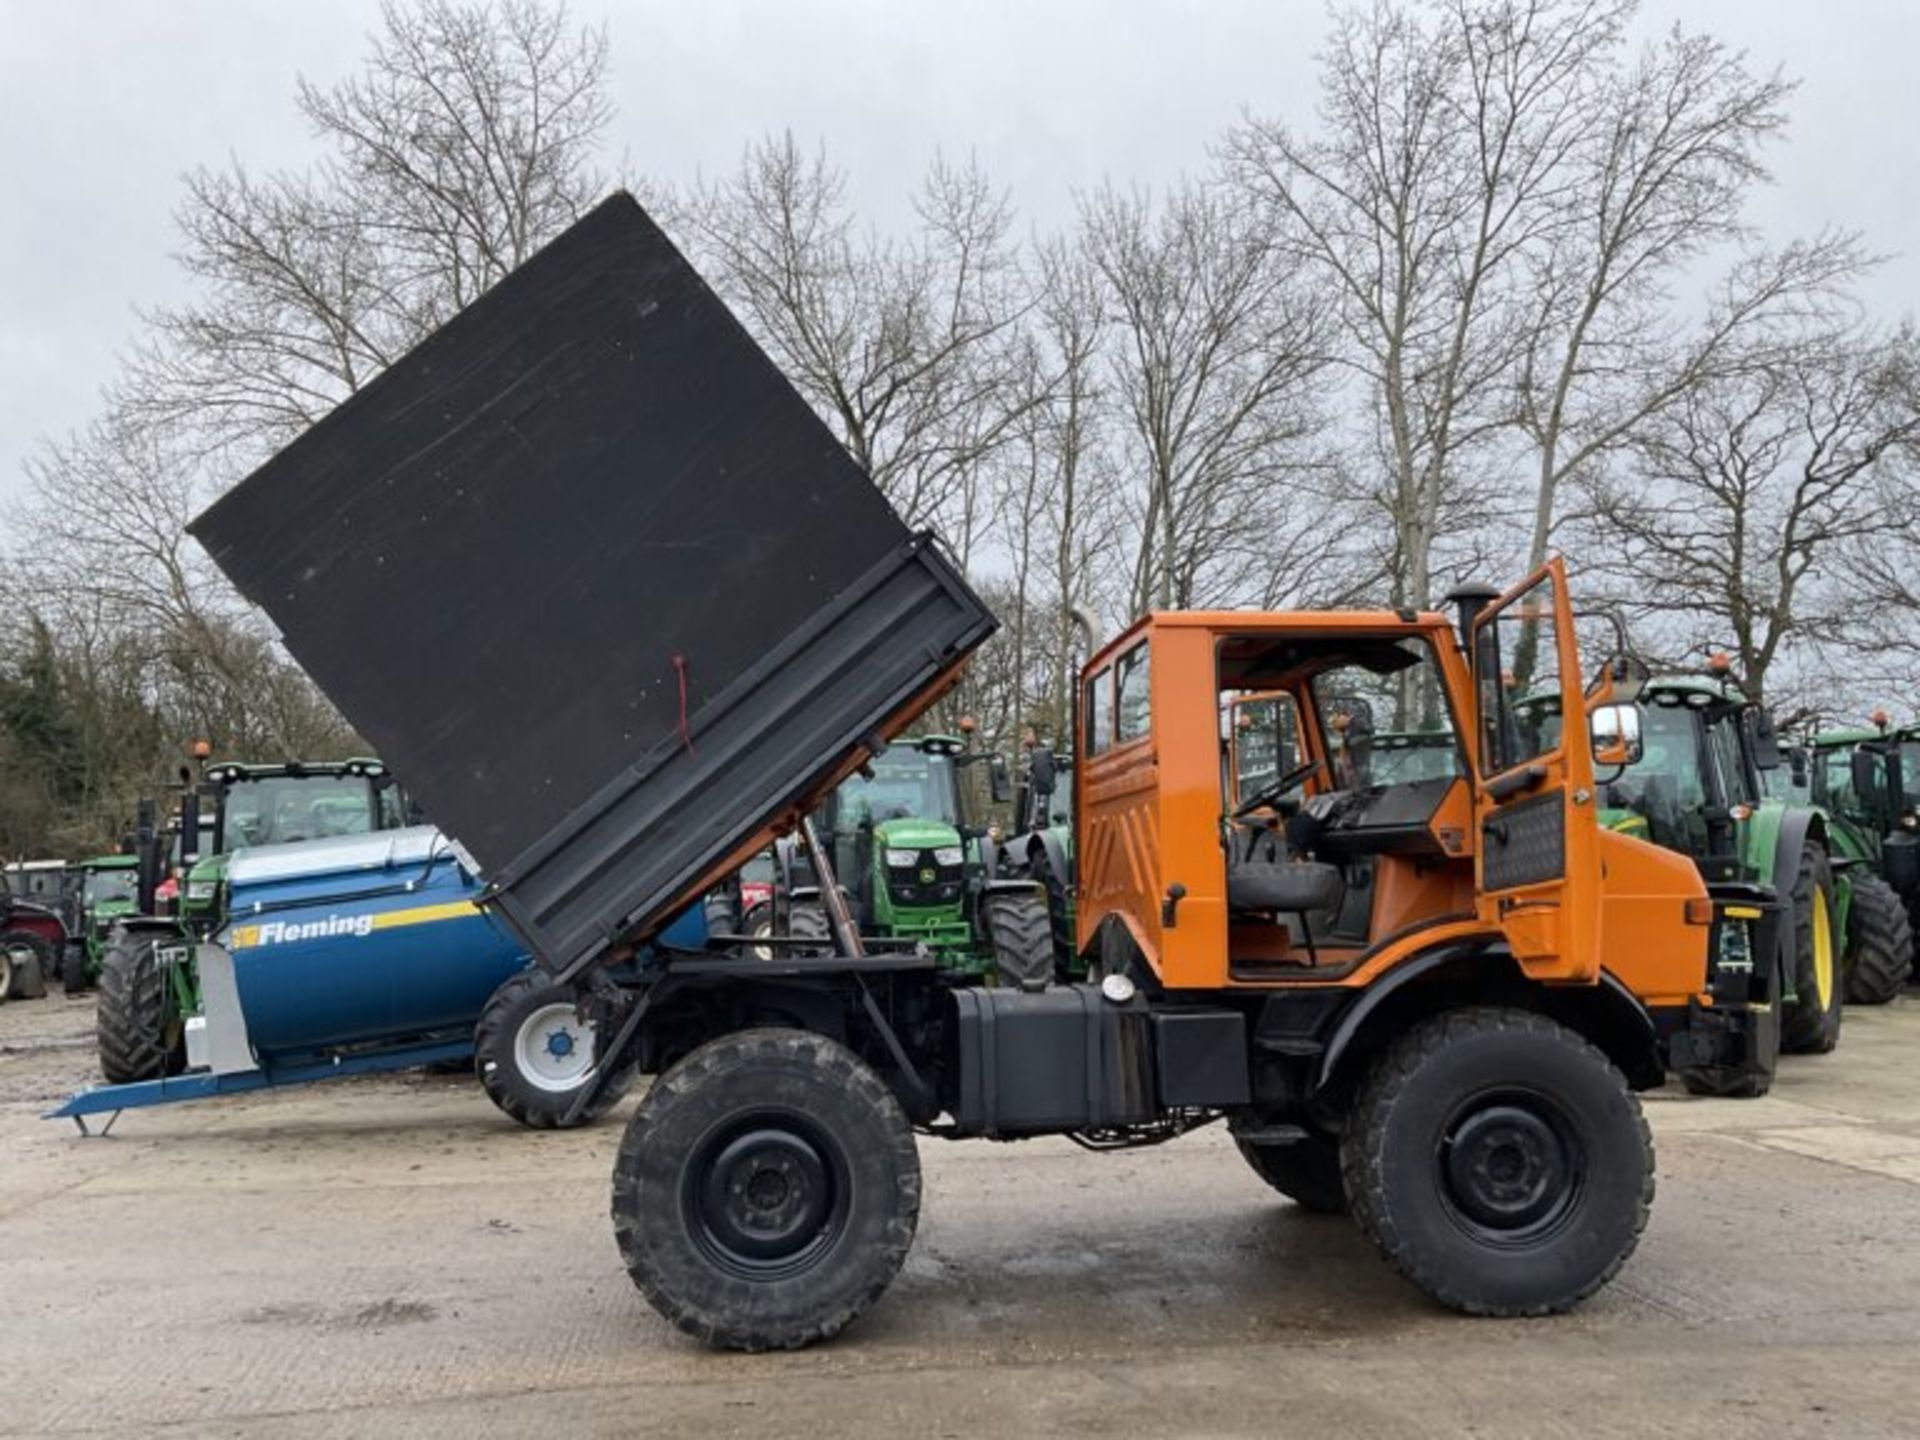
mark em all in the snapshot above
pixel 1429 1002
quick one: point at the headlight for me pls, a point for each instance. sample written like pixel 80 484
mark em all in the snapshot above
pixel 202 889
pixel 902 859
pixel 949 855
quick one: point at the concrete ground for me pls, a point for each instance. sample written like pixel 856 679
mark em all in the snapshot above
pixel 393 1257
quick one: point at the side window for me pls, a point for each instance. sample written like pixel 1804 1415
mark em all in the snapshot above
pixel 1517 674
pixel 1099 713
pixel 1135 707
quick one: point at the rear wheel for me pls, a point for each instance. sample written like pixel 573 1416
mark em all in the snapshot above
pixel 1306 1171
pixel 1879 942
pixel 1811 1024
pixel 535 1054
pixel 1021 936
pixel 766 1191
pixel 142 1035
pixel 1499 1162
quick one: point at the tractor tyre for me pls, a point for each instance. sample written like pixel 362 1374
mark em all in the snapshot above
pixel 807 923
pixel 1307 1171
pixel 1879 942
pixel 141 1033
pixel 1059 915
pixel 766 1191
pixel 6 975
pixel 1499 1162
pixel 31 961
pixel 1019 932
pixel 73 968
pixel 1811 1024
pixel 535 1055
pixel 757 924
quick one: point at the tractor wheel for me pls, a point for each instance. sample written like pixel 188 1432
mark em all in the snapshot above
pixel 806 922
pixel 141 1033
pixel 1879 942
pixel 6 975
pixel 31 961
pixel 1059 914
pixel 766 1191
pixel 1307 1171
pixel 534 1054
pixel 1811 1024
pixel 1499 1162
pixel 757 924
pixel 1021 937
pixel 73 968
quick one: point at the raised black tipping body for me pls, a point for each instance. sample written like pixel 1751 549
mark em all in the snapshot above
pixel 596 582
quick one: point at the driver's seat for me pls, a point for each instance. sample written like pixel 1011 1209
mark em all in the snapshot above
pixel 1262 876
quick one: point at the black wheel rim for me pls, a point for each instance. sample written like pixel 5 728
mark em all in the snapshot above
pixel 766 1195
pixel 1511 1167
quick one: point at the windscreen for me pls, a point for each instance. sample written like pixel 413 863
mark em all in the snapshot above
pixel 283 809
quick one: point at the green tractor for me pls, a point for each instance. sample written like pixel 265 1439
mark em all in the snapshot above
pixel 920 869
pixel 148 983
pixel 1698 786
pixel 1868 783
pixel 109 895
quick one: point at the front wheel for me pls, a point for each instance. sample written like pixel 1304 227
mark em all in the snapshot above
pixel 29 963
pixel 1499 1162
pixel 141 1032
pixel 766 1191
pixel 535 1054
pixel 1811 1024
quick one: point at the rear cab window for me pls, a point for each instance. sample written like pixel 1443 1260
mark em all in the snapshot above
pixel 1099 712
pixel 1134 686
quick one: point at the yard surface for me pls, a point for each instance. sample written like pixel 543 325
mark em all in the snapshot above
pixel 394 1257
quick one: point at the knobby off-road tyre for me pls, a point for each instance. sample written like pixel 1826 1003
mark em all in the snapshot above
pixel 766 1191
pixel 1021 936
pixel 1879 942
pixel 1811 1024
pixel 138 1024
pixel 1499 1162
pixel 1307 1172
pixel 534 1055
pixel 31 964
pixel 1059 915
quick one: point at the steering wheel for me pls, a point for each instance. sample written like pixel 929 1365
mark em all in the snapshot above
pixel 1279 787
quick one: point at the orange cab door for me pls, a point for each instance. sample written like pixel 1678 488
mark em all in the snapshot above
pixel 1537 834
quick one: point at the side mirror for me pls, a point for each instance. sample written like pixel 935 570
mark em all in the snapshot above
pixel 1766 741
pixel 999 779
pixel 1615 733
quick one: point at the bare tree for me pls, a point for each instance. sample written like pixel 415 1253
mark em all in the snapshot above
pixel 1444 132
pixel 464 144
pixel 1216 345
pixel 1749 498
pixel 910 348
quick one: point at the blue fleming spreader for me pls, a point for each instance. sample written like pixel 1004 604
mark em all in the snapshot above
pixel 361 954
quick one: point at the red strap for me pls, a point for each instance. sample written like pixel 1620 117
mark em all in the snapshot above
pixel 686 734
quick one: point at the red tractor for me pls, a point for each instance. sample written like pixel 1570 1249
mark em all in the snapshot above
pixel 32 940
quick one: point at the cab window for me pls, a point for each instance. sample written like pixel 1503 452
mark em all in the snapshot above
pixel 1099 713
pixel 1135 713
pixel 1263 743
pixel 1517 676
pixel 1387 726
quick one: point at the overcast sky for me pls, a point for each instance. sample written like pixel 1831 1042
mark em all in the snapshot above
pixel 103 106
